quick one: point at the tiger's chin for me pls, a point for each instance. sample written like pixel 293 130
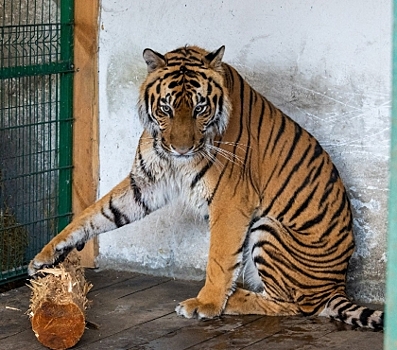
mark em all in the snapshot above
pixel 193 156
pixel 183 156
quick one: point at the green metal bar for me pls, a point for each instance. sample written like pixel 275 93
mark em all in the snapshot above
pixel 32 173
pixel 65 115
pixel 391 277
pixel 44 69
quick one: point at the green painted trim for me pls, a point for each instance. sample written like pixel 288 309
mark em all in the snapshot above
pixel 391 277
pixel 65 117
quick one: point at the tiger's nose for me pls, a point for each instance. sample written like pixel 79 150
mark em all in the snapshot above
pixel 181 150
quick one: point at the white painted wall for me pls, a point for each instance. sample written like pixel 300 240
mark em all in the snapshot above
pixel 325 63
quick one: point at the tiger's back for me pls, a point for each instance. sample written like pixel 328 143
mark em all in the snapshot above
pixel 278 211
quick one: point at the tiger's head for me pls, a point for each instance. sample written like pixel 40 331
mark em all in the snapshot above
pixel 183 102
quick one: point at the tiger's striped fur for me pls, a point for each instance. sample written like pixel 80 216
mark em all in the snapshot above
pixel 278 212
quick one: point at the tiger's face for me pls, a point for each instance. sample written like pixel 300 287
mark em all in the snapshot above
pixel 183 103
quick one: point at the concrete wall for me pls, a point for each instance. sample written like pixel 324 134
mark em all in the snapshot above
pixel 325 63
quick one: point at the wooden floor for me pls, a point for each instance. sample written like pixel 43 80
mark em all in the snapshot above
pixel 135 311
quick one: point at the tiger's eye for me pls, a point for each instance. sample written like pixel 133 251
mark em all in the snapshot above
pixel 200 108
pixel 166 109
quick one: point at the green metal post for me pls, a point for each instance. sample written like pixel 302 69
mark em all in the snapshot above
pixel 391 284
pixel 66 116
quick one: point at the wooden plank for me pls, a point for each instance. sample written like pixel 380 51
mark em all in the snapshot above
pixel 125 288
pixel 13 305
pixel 199 332
pixel 15 328
pixel 105 278
pixel 131 303
pixel 249 333
pixel 141 333
pixel 85 111
pixel 23 340
pixel 366 340
pixel 136 311
pixel 313 331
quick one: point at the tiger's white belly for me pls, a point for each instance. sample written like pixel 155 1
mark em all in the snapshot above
pixel 250 276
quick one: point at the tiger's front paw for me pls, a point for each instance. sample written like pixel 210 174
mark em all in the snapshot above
pixel 51 255
pixel 194 308
pixel 48 257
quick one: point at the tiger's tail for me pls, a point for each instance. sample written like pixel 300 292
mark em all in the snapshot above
pixel 340 308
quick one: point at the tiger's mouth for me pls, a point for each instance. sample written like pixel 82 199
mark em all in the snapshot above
pixel 183 153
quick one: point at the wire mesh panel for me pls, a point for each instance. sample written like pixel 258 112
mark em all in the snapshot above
pixel 36 65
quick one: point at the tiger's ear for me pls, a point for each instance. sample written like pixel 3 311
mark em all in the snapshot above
pixel 153 59
pixel 214 58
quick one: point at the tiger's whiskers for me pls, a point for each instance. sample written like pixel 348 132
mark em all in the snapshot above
pixel 235 159
pixel 238 145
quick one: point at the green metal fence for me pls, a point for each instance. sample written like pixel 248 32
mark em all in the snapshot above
pixel 36 66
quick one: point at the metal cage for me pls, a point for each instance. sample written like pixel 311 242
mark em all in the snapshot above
pixel 36 77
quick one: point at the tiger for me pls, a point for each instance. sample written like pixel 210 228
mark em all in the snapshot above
pixel 278 213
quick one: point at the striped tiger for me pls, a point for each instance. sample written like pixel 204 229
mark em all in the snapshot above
pixel 279 215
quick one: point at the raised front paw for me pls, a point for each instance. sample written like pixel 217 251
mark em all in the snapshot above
pixel 194 308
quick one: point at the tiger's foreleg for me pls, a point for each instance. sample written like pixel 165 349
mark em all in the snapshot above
pixel 227 228
pixel 129 201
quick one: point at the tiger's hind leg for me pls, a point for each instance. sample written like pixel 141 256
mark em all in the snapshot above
pixel 245 302
pixel 264 296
